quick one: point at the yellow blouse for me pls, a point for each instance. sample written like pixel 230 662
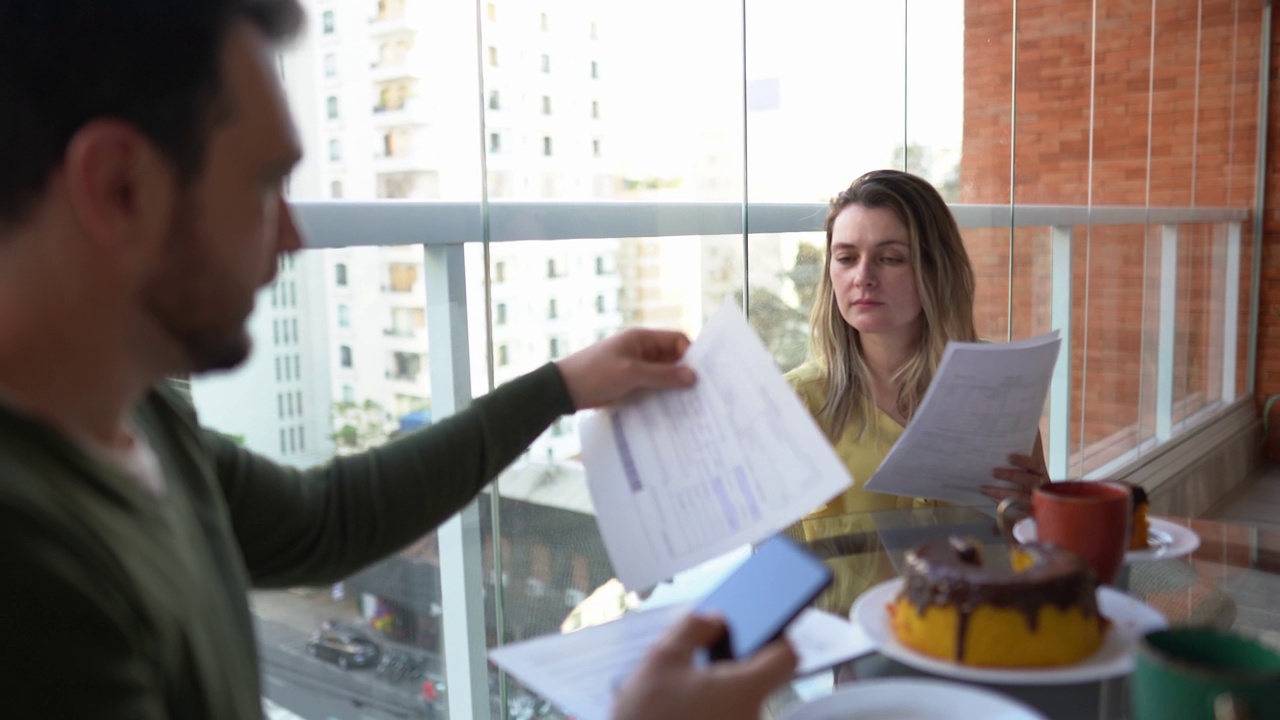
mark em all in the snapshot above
pixel 846 515
pixel 861 456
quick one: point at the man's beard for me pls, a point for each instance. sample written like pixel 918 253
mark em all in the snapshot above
pixel 185 304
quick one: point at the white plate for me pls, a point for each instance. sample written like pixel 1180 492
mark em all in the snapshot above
pixel 1167 540
pixel 1130 618
pixel 913 699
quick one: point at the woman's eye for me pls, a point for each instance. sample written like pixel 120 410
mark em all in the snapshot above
pixel 891 260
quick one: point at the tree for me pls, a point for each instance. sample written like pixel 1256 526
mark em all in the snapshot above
pixel 783 328
pixel 359 426
pixel 923 160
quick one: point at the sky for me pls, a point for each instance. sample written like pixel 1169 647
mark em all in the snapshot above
pixel 677 68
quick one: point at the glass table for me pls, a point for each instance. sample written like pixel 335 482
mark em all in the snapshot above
pixel 1234 567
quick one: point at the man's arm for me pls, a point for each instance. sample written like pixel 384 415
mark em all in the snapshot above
pixel 322 525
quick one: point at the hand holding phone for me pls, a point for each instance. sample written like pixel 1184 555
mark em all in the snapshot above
pixel 760 598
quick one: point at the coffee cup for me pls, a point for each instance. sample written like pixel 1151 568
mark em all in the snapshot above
pixel 1199 673
pixel 1089 518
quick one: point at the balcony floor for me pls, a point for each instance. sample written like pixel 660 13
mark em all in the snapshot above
pixel 1257 504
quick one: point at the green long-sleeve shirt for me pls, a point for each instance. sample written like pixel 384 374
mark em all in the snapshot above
pixel 118 603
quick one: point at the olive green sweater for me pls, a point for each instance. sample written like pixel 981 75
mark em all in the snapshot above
pixel 117 603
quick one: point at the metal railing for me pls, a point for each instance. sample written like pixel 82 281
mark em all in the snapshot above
pixel 444 228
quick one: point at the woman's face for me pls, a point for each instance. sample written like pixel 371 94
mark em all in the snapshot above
pixel 872 274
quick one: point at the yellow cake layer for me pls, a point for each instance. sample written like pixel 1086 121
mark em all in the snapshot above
pixel 999 637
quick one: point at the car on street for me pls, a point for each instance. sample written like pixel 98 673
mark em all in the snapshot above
pixel 344 649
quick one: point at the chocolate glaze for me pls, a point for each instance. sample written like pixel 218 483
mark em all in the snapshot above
pixel 951 573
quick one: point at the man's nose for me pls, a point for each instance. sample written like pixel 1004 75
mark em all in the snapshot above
pixel 289 236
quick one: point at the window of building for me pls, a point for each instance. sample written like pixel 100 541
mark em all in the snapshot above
pixel 500 314
pixel 600 304
pixel 551 267
pixel 595 109
pixel 293 440
pixel 546 104
pixel 593 31
pixel 600 268
pixel 493 56
pixel 279 375
pixel 293 323
pixel 344 356
pixel 284 332
pixel 297 366
pixel 335 150
pixel 275 331
pixel 288 403
pixel 293 301
pixel 331 107
pixel 544 22
pixel 328 22
pixel 273 295
pixel 340 274
pixel 288 370
pixel 298 404
pixel 348 394
pixel 546 146
pixel 553 348
pixel 344 316
pixel 500 271
pixel 331 65
pixel 302 443
pixel 552 312
pixel 504 356
pixel 495 100
pixel 595 148
pixel 283 449
pixel 335 189
pixel 595 70
pixel 491 12
pixel 495 142
pixel 279 401
pixel 546 63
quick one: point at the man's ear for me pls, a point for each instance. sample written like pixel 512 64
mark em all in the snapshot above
pixel 120 186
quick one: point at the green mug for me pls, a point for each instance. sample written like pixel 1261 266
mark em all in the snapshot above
pixel 1196 673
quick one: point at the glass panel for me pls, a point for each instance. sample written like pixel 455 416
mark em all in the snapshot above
pixel 296 402
pixel 592 118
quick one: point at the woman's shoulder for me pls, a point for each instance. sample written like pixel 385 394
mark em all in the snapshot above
pixel 809 374
pixel 810 383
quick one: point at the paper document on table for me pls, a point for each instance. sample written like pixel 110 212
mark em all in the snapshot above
pixel 580 672
pixel 984 404
pixel 678 477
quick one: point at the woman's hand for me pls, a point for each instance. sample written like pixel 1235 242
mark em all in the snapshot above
pixel 1026 474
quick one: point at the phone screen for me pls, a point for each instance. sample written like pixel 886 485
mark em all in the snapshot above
pixel 763 595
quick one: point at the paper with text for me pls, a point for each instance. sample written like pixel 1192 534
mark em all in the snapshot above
pixel 984 404
pixel 580 672
pixel 681 476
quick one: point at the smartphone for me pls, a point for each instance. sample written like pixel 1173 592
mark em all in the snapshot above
pixel 763 595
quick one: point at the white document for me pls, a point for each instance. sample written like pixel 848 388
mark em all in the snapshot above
pixel 984 404
pixel 681 476
pixel 580 672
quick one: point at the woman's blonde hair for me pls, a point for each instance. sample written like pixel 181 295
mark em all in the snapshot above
pixel 944 281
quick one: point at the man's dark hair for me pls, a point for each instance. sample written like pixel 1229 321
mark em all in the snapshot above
pixel 152 63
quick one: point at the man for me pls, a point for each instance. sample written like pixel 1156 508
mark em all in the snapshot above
pixel 145 146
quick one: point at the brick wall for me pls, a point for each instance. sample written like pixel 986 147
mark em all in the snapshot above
pixel 1268 378
pixel 1103 127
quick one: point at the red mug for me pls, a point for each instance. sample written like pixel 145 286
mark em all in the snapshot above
pixel 1089 518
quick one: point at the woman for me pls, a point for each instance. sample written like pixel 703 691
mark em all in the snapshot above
pixel 897 287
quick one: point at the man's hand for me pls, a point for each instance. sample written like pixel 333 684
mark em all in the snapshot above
pixel 632 360
pixel 667 684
